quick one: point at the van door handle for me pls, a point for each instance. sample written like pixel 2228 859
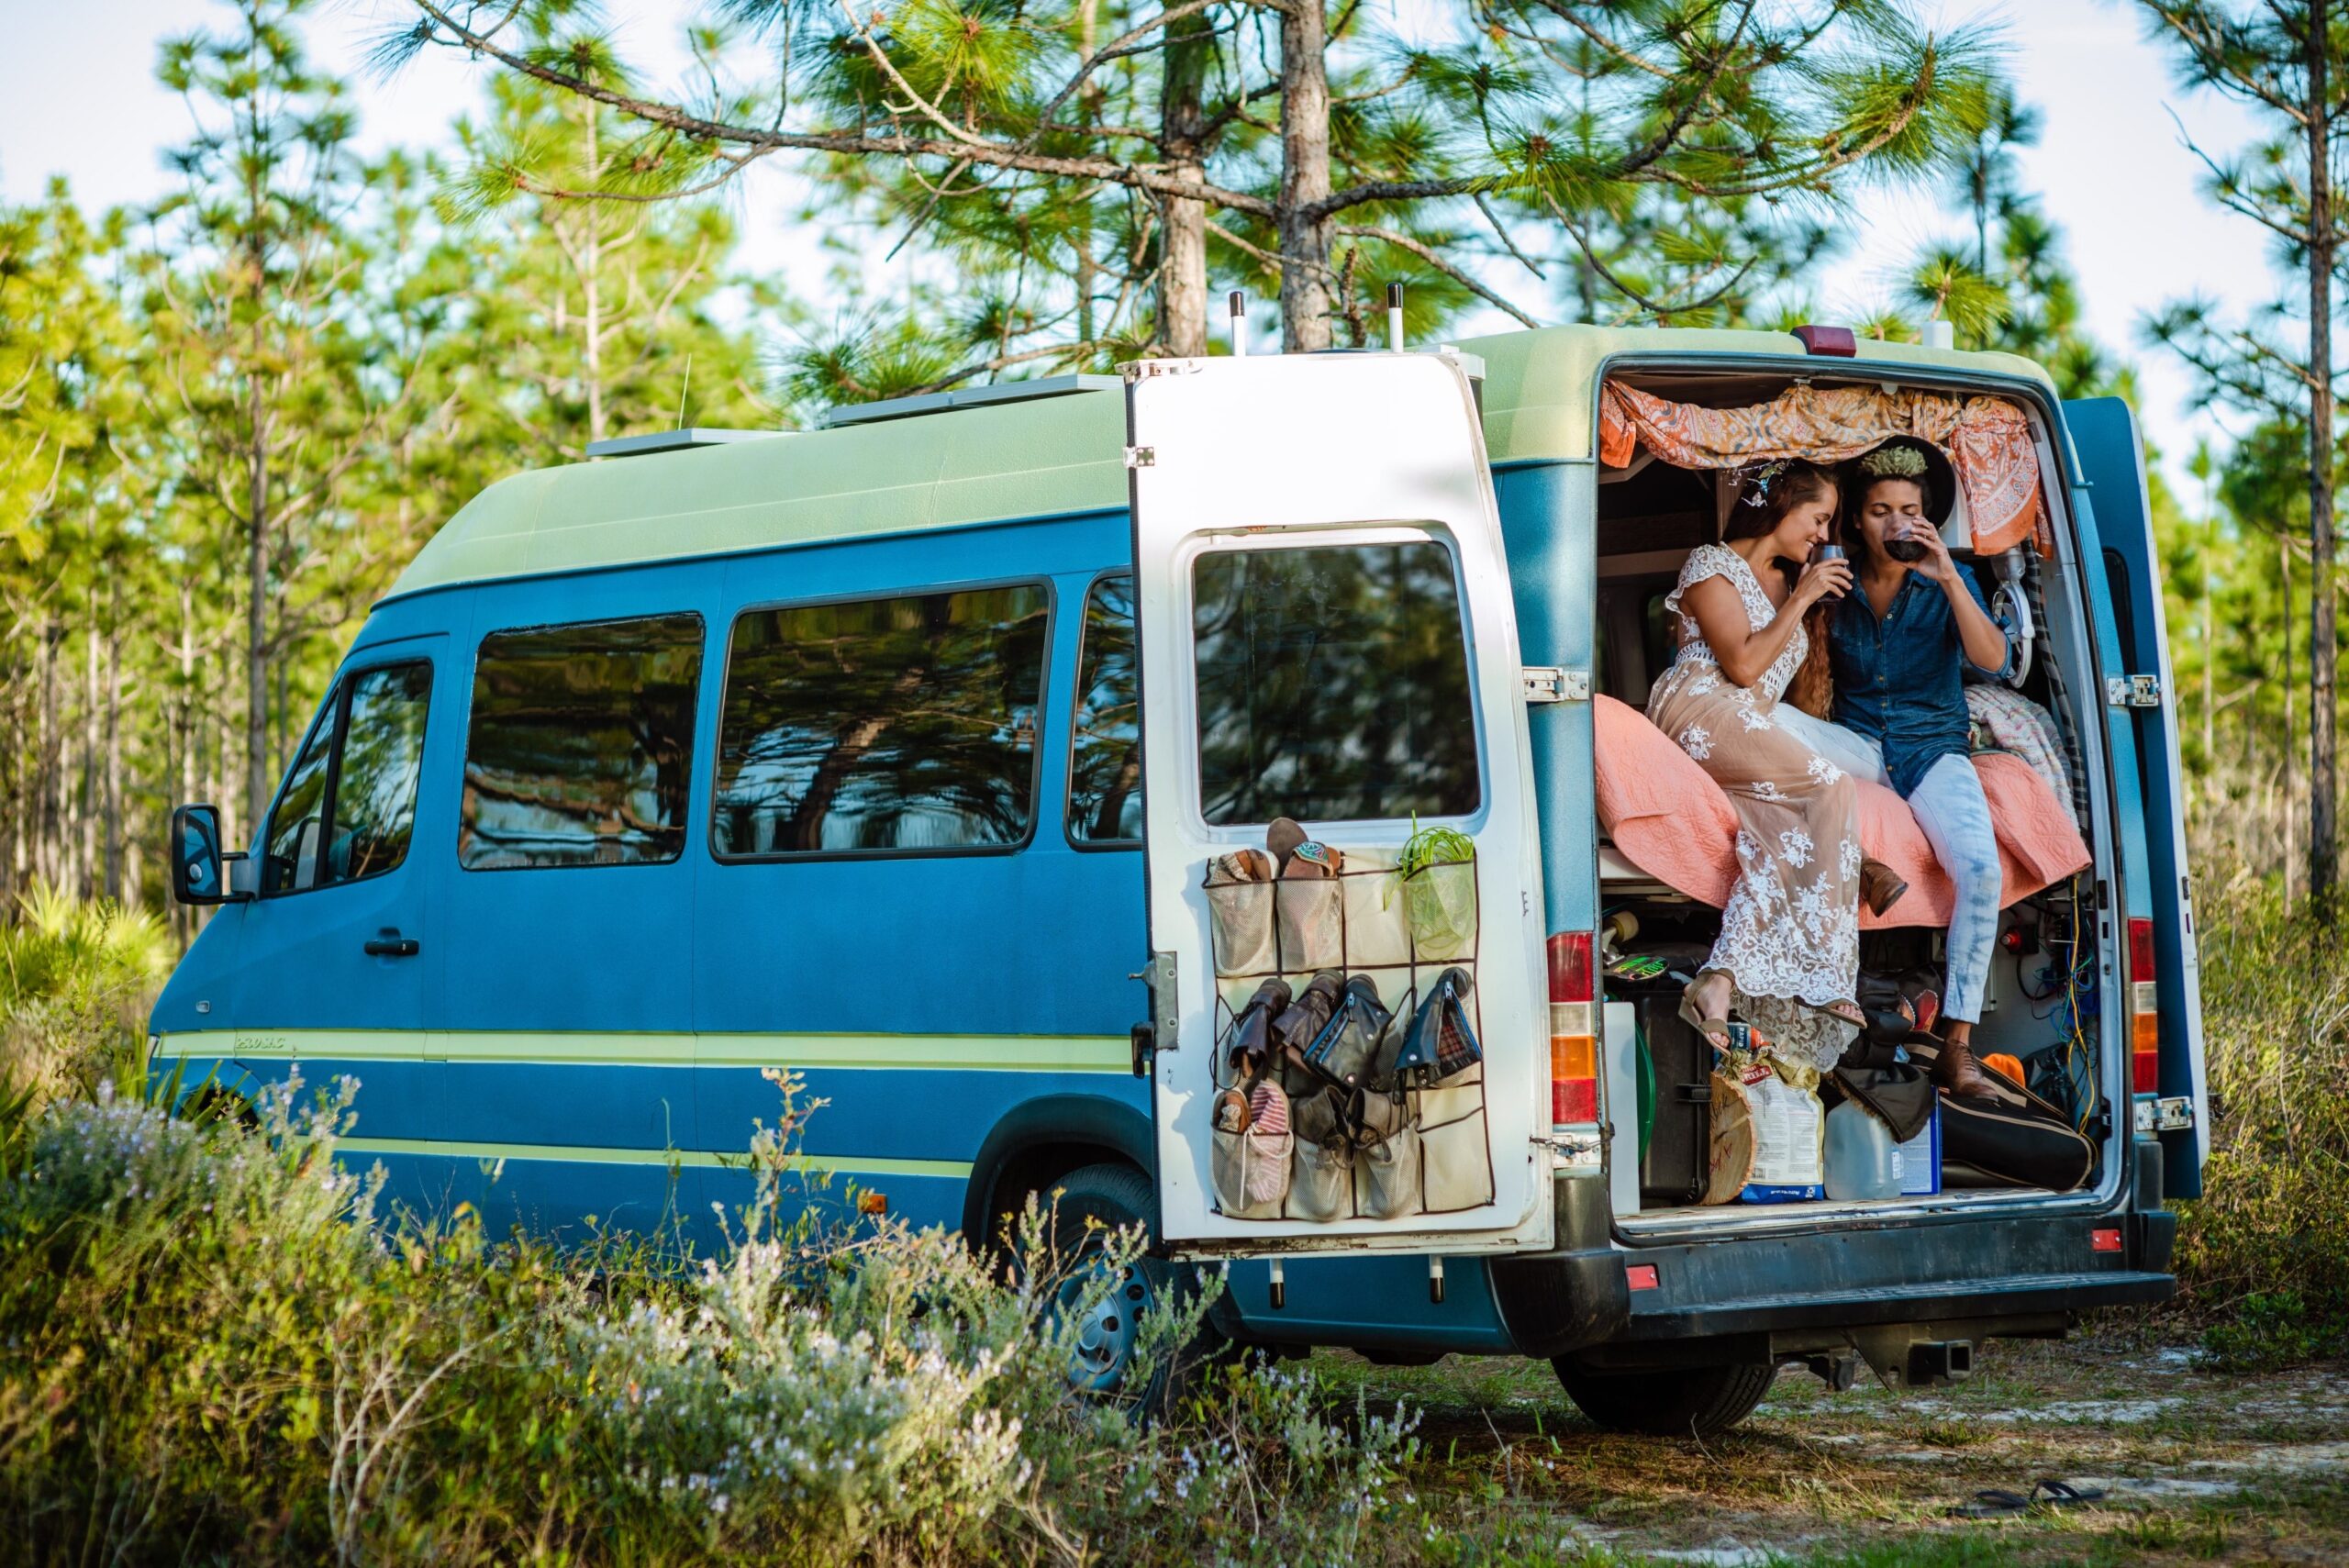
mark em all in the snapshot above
pixel 389 943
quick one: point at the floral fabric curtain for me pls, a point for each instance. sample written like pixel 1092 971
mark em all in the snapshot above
pixel 1987 440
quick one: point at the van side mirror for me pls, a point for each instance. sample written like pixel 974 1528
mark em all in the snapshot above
pixel 200 872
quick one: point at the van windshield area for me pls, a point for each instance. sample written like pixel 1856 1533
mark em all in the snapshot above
pixel 1334 684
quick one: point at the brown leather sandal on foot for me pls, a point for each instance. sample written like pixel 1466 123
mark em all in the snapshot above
pixel 1715 1029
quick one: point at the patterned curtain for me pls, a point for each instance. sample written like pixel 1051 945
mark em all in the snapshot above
pixel 1987 440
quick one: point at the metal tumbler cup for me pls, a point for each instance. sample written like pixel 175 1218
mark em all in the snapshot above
pixel 1829 552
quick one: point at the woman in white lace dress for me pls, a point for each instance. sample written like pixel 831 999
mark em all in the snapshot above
pixel 1787 959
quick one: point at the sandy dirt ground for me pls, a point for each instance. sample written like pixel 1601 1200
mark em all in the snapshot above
pixel 2194 1465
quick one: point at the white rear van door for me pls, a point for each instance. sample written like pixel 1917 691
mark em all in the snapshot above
pixel 1327 634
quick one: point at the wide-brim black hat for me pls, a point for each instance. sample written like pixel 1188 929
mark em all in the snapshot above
pixel 1938 480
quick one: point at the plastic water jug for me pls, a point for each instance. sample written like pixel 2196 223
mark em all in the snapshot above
pixel 1862 1162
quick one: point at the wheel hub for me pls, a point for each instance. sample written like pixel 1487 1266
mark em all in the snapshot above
pixel 1108 1327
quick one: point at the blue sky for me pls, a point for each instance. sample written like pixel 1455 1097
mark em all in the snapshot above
pixel 2110 166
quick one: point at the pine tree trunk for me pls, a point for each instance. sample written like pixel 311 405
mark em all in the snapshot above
pixel 2284 552
pixel 2323 851
pixel 591 252
pixel 45 854
pixel 1183 247
pixel 112 881
pixel 88 877
pixel 256 599
pixel 1305 177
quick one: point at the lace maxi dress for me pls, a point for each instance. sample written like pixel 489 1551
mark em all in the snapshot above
pixel 1790 932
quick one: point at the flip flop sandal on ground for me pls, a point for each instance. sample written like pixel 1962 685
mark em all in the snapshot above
pixel 1995 1503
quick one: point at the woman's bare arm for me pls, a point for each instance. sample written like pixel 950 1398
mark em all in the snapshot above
pixel 1745 655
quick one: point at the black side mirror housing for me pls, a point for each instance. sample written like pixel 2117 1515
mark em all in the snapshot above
pixel 200 871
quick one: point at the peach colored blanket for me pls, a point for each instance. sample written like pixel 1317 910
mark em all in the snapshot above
pixel 1668 817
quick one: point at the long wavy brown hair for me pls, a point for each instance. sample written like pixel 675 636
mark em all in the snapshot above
pixel 1797 484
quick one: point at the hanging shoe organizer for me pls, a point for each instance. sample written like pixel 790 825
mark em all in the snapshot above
pixel 1356 1140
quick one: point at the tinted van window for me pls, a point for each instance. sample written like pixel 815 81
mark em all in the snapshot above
pixel 896 725
pixel 373 806
pixel 581 745
pixel 292 863
pixel 349 807
pixel 1332 685
pixel 1105 745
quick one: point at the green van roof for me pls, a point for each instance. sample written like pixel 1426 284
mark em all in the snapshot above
pixel 1050 457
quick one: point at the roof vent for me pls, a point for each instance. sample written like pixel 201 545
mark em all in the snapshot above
pixel 968 397
pixel 675 442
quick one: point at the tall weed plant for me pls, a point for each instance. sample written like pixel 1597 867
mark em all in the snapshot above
pixel 2265 1252
pixel 76 978
pixel 216 1346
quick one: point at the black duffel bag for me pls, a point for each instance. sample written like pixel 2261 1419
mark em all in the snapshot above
pixel 2013 1138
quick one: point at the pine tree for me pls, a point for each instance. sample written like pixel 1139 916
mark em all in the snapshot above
pixel 2287 64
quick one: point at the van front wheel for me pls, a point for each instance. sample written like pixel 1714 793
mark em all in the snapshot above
pixel 1695 1401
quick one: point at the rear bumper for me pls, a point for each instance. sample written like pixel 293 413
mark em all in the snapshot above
pixel 2018 1274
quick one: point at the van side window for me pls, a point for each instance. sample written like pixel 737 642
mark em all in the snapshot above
pixel 348 806
pixel 894 725
pixel 1105 742
pixel 1332 685
pixel 580 749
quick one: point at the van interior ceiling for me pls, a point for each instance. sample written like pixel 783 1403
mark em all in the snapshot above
pixel 2039 1004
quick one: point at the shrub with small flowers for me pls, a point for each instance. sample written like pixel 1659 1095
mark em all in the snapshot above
pixel 214 1346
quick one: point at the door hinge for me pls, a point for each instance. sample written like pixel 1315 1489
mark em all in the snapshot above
pixel 2175 1114
pixel 1163 1031
pixel 1547 683
pixel 1142 456
pixel 2133 691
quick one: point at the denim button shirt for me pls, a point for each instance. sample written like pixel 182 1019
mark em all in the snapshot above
pixel 1900 681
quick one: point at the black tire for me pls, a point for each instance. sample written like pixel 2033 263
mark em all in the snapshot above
pixel 1113 1196
pixel 1697 1401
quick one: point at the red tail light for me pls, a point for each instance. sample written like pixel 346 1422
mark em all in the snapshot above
pixel 2144 1018
pixel 1574 1034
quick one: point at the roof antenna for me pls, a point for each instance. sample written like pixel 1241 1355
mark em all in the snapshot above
pixel 683 390
pixel 1395 316
pixel 1239 325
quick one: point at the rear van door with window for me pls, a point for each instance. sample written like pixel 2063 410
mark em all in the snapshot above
pixel 1327 634
pixel 2112 460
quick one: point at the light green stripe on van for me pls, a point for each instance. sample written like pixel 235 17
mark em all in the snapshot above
pixel 966 1054
pixel 838 1165
pixel 1050 457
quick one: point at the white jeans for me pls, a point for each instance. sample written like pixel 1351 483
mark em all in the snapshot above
pixel 1950 806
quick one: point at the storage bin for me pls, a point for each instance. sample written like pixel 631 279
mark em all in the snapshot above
pixel 1456 1161
pixel 1321 1184
pixel 1251 1173
pixel 1311 922
pixel 1239 921
pixel 1439 906
pixel 1389 1175
pixel 1377 936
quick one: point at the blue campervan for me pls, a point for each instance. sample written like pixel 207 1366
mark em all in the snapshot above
pixel 927 754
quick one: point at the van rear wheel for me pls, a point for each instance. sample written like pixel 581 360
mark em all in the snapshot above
pixel 1695 1401
pixel 1084 1208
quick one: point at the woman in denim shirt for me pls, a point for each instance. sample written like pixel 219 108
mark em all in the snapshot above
pixel 1900 645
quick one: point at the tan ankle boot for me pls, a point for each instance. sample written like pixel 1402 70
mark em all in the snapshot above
pixel 1880 885
pixel 1955 1073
